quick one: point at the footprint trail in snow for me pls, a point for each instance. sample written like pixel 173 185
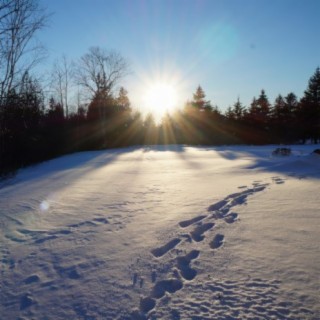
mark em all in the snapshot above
pixel 200 227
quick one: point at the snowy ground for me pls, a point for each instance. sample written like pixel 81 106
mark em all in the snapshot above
pixel 163 233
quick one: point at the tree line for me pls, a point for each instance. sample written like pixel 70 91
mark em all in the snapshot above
pixel 37 124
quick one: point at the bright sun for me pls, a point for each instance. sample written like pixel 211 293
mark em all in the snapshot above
pixel 160 98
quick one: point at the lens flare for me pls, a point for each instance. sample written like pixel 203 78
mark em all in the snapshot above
pixel 44 205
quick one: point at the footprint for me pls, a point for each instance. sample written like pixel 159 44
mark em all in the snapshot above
pixel 32 233
pixel 187 223
pixel 153 276
pixel 234 195
pixel 101 220
pixel 6 260
pixel 231 218
pixel 278 180
pixel 147 304
pixel 63 231
pixel 197 233
pixel 141 282
pixel 134 279
pixel 217 241
pixel 241 199
pixel 26 301
pixel 159 252
pixel 82 223
pixel 218 205
pixel 138 315
pixel 183 264
pixel 40 236
pixel 68 272
pixel 222 207
pixel 260 187
pixel 161 287
pixel 221 213
pixel 32 279
pixel 42 240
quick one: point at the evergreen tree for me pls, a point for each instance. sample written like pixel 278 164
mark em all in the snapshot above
pixel 263 105
pixel 230 114
pixel 123 101
pixel 199 101
pixel 312 94
pixel 309 111
pixel 291 102
pixel 259 111
pixel 236 112
pixel 55 114
pixel 279 109
pixel 32 101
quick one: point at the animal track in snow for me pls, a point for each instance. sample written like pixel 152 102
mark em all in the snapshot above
pixel 159 252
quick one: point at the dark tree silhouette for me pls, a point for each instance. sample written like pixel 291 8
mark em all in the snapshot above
pixel 259 110
pixel 199 102
pixel 99 71
pixel 236 112
pixel 122 100
pixel 31 133
pixel 309 111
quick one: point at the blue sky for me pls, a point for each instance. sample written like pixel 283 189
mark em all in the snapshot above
pixel 230 47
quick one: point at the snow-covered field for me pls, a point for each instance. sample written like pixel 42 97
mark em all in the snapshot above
pixel 163 233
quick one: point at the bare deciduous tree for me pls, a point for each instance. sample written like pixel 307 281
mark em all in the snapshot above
pixel 99 71
pixel 61 81
pixel 19 22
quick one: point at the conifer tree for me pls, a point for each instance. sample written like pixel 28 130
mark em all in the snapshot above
pixel 199 101
pixel 278 111
pixel 309 111
pixel 312 94
pixel 235 112
pixel 259 111
pixel 123 100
